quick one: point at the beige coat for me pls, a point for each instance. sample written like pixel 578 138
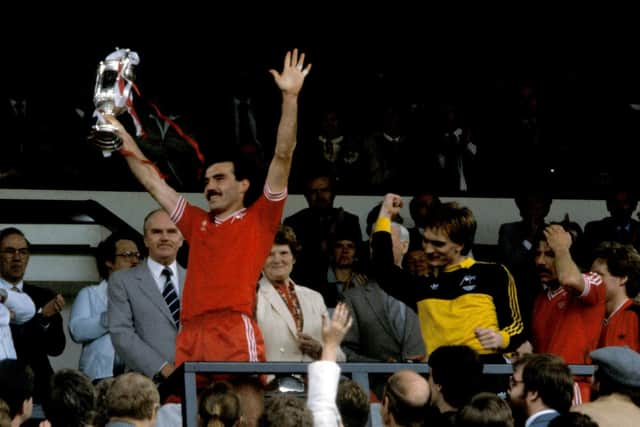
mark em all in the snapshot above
pixel 615 410
pixel 278 327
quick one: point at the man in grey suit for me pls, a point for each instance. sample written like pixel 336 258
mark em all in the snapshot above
pixel 384 329
pixel 540 388
pixel 142 325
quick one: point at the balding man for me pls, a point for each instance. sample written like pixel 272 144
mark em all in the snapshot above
pixel 405 396
pixel 384 329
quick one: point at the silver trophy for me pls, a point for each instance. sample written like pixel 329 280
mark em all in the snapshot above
pixel 112 96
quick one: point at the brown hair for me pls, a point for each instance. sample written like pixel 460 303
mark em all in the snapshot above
pixel 132 395
pixel 218 406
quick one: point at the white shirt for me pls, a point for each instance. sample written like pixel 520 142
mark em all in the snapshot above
pixel 18 302
pixel 156 271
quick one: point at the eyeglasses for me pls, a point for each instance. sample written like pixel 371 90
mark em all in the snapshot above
pixel 129 255
pixel 514 382
pixel 15 251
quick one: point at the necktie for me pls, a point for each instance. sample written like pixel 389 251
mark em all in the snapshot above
pixel 170 296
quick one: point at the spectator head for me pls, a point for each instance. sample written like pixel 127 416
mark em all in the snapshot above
pixel 421 204
pixel 621 203
pixel 405 396
pixel 284 410
pixel 117 252
pixel 449 233
pixel 286 236
pixel 345 244
pixel 454 376
pixel 533 205
pixel 161 237
pixel 399 242
pixel 619 267
pixel 319 191
pixel 133 397
pixel 485 410
pixel 14 254
pixel 541 381
pixel 16 388
pixel 219 406
pixel 618 372
pixel 71 401
pixel 415 261
pixel 353 404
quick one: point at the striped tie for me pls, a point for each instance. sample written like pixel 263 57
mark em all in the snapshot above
pixel 170 296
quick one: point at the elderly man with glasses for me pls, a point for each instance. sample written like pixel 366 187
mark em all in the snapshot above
pixel 88 323
pixel 42 335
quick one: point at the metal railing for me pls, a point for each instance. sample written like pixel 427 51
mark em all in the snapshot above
pixel 183 381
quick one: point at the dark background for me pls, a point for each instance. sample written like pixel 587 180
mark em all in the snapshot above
pixel 586 74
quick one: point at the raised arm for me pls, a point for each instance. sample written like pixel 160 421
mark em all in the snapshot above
pixel 144 170
pixel 325 373
pixel 290 82
pixel 569 275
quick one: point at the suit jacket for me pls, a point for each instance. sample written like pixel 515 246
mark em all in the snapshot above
pixel 315 231
pixel 543 420
pixel 142 328
pixel 38 339
pixel 605 230
pixel 278 327
pixel 372 338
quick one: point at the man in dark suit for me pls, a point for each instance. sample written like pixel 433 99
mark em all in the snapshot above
pixel 316 228
pixel 384 329
pixel 43 335
pixel 618 226
pixel 142 324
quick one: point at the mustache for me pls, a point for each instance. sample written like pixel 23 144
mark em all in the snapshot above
pixel 543 270
pixel 212 193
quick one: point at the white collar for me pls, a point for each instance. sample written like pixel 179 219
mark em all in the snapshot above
pixel 239 214
pixel 8 285
pixel 533 417
pixel 157 268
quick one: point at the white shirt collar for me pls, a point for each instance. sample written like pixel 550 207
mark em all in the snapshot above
pixel 8 285
pixel 539 414
pixel 156 270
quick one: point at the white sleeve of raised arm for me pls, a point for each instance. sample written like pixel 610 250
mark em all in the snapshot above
pixel 321 397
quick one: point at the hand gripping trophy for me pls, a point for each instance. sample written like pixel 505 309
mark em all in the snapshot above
pixel 112 95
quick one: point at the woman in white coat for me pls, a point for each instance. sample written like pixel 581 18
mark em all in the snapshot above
pixel 88 320
pixel 289 315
